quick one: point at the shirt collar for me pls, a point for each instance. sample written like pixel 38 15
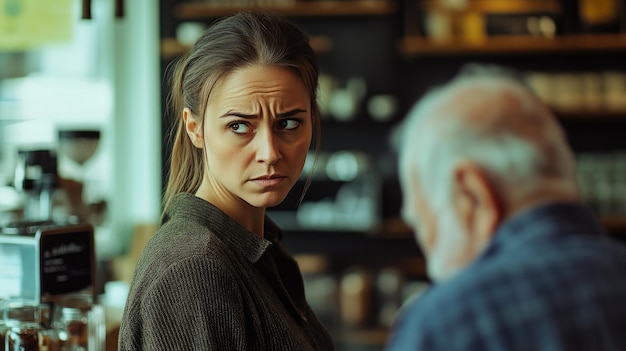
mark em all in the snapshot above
pixel 190 207
pixel 550 219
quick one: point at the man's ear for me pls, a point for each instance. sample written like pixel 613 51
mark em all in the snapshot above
pixel 193 128
pixel 477 202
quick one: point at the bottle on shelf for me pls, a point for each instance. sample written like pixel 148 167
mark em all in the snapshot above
pixel 600 16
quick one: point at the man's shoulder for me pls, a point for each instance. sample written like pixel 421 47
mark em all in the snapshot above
pixel 515 274
pixel 532 276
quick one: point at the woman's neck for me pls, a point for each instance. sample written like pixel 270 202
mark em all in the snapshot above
pixel 250 217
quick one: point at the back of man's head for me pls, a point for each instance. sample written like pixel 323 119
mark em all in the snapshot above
pixel 485 123
pixel 487 116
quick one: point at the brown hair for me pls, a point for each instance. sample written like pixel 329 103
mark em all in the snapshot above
pixel 240 40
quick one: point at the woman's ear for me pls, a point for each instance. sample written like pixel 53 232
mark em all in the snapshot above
pixel 477 201
pixel 193 128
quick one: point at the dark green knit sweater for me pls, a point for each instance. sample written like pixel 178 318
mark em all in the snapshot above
pixel 204 282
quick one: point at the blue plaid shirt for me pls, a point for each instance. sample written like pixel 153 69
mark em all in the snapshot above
pixel 549 280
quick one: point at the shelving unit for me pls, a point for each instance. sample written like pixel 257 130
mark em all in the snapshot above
pixel 589 129
pixel 499 6
pixel 615 225
pixel 363 337
pixel 351 245
pixel 412 64
pixel 202 12
pixel 416 46
pixel 315 8
pixel 587 114
pixel 171 47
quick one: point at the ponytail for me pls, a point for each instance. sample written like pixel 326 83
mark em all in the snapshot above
pixel 185 161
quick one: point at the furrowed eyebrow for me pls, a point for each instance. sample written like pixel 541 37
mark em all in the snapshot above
pixel 247 116
pixel 237 114
pixel 290 113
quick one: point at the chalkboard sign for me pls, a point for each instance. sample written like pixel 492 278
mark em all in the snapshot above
pixel 66 260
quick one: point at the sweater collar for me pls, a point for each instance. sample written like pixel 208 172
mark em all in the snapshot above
pixel 189 207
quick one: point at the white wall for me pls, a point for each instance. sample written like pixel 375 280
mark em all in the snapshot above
pixel 107 77
pixel 137 118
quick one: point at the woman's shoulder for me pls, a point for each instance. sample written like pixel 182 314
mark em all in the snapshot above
pixel 174 242
pixel 183 261
pixel 160 286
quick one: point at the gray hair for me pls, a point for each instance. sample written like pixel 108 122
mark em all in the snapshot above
pixel 517 142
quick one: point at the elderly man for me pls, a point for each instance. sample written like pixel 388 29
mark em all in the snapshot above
pixel 518 263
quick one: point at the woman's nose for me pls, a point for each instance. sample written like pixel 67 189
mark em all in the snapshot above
pixel 267 148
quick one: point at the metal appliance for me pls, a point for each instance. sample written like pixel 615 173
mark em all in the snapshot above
pixel 44 261
pixel 52 266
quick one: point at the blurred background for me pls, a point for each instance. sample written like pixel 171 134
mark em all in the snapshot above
pixel 83 122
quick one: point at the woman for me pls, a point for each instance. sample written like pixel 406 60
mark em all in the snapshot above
pixel 214 276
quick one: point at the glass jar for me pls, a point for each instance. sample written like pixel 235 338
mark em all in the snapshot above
pixel 71 321
pixel 72 326
pixel 3 327
pixel 49 340
pixel 22 320
pixel 600 16
pixel 23 337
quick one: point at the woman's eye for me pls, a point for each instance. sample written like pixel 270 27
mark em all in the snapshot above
pixel 239 127
pixel 289 124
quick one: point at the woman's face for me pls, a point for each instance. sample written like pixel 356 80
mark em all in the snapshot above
pixel 257 132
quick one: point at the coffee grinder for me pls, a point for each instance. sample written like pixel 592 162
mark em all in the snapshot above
pixel 36 179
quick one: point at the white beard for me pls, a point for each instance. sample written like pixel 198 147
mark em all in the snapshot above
pixel 449 255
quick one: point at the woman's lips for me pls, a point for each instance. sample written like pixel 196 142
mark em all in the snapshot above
pixel 268 181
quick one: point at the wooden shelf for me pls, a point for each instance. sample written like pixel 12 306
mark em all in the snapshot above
pixel 170 47
pixel 503 45
pixel 499 6
pixel 351 245
pixel 584 114
pixel 616 225
pixel 364 337
pixel 194 11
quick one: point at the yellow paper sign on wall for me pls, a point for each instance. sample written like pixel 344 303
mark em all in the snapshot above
pixel 26 24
